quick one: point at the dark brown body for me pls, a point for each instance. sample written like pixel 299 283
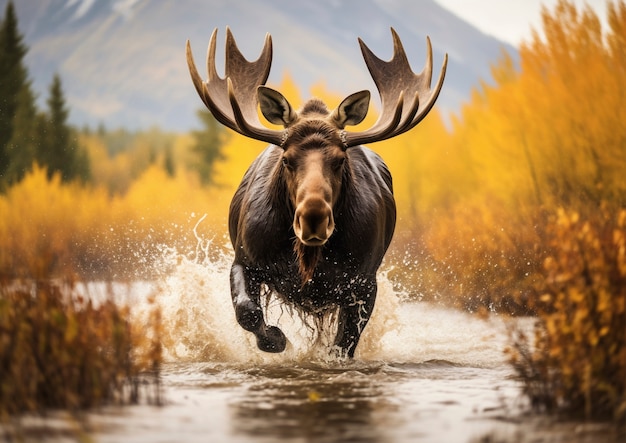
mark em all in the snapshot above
pixel 260 225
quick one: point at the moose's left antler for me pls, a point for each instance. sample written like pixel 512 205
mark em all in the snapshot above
pixel 398 86
pixel 233 99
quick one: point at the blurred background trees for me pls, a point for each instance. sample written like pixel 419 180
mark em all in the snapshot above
pixel 28 135
pixel 543 135
pixel 474 191
pixel 207 147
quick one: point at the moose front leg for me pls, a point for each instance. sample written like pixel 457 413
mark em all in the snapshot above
pixel 246 291
pixel 354 315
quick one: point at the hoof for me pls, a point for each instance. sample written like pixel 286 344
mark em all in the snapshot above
pixel 272 341
pixel 249 316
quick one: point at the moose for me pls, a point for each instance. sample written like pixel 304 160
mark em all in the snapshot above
pixel 315 212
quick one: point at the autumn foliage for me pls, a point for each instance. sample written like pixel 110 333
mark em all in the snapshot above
pixel 59 348
pixel 576 359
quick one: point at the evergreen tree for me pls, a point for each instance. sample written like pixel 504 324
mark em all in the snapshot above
pixel 13 79
pixel 23 146
pixel 208 146
pixel 59 150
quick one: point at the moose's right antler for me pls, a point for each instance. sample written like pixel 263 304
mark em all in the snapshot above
pixel 398 85
pixel 233 99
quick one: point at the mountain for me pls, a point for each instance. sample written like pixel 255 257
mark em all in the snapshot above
pixel 122 62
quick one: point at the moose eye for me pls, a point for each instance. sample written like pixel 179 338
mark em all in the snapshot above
pixel 338 163
pixel 286 163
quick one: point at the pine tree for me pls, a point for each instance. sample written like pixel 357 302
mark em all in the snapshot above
pixel 207 146
pixel 23 146
pixel 168 162
pixel 13 79
pixel 59 150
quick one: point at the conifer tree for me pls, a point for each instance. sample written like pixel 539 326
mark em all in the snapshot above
pixel 23 146
pixel 207 146
pixel 13 79
pixel 59 151
pixel 168 162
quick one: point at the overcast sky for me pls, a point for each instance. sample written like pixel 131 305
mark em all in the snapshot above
pixel 510 20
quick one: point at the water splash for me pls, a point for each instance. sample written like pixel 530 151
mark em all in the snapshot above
pixel 199 323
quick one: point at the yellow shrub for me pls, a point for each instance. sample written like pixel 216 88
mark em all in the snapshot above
pixel 477 255
pixel 579 359
pixel 52 228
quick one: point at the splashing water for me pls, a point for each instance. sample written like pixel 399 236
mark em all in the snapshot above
pixel 199 323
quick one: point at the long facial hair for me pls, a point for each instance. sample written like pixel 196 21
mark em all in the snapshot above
pixel 308 257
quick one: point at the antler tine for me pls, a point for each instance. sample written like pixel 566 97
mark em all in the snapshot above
pixel 233 100
pixel 210 57
pixel 426 75
pixel 394 79
pixel 427 72
pixel 195 77
pixel 247 76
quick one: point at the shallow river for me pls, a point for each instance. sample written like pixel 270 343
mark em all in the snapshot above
pixel 421 374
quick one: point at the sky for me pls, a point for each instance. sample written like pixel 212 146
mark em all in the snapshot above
pixel 510 20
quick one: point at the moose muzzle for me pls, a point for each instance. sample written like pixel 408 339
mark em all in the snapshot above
pixel 313 222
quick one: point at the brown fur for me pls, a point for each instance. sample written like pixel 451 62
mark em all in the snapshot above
pixel 312 134
pixel 308 258
pixel 314 106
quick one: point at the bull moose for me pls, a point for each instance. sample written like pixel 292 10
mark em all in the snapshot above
pixel 314 213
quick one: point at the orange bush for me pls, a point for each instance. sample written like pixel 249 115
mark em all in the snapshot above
pixel 475 257
pixel 576 361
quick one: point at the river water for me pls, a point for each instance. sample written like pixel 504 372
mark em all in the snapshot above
pixel 422 373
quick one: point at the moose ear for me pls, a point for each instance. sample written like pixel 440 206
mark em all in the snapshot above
pixel 275 107
pixel 352 109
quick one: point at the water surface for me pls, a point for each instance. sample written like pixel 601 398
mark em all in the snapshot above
pixel 422 373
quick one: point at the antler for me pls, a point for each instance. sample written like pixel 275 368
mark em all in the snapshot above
pixel 233 99
pixel 397 83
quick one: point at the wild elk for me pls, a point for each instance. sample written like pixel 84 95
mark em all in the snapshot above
pixel 315 212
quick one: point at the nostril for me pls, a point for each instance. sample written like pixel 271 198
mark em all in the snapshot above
pixel 313 222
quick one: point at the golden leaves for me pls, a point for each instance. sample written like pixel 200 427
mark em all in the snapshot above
pixel 55 228
pixel 581 337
